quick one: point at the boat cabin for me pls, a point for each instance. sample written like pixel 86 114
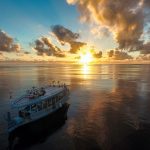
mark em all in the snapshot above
pixel 48 99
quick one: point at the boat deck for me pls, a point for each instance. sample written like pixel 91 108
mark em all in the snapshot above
pixel 25 100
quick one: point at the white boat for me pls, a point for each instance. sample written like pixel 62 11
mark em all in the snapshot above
pixel 37 105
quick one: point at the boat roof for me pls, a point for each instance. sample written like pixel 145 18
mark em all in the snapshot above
pixel 25 100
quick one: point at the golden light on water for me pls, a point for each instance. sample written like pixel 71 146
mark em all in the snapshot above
pixel 86 58
pixel 85 69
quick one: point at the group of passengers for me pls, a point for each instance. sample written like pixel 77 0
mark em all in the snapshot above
pixel 34 93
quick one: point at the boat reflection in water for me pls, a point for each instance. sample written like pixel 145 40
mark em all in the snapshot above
pixel 38 131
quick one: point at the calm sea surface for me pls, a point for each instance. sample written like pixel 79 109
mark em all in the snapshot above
pixel 109 104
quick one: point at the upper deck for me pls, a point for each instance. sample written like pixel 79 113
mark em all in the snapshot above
pixel 27 100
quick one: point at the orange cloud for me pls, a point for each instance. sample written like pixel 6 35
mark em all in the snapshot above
pixel 124 18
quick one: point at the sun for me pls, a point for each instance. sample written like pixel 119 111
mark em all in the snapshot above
pixel 85 58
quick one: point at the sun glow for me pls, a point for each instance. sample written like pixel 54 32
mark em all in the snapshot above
pixel 86 58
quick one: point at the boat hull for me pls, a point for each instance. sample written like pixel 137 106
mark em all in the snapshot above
pixel 44 125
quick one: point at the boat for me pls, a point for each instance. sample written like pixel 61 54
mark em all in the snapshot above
pixel 35 107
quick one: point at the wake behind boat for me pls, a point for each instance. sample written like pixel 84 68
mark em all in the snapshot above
pixel 37 104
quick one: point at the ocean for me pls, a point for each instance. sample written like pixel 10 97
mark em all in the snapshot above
pixel 109 104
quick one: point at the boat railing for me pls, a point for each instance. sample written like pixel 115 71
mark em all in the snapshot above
pixel 36 100
pixel 25 95
pixel 13 102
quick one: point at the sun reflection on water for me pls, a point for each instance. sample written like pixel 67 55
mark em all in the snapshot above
pixel 85 71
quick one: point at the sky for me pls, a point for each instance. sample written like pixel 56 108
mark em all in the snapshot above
pixel 68 29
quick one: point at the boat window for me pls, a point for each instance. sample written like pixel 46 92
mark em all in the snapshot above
pixel 49 102
pixel 39 106
pixel 44 104
pixel 27 108
pixel 61 94
pixel 34 107
pixel 58 98
pixel 53 101
pixel 24 114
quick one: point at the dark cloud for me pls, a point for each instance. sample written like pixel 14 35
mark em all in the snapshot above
pixel 59 54
pixel 145 48
pixel 75 46
pixel 118 55
pixel 111 53
pixel 7 43
pixel 65 35
pixel 44 46
pixel 40 48
pixel 125 18
pixel 98 55
pixel 27 53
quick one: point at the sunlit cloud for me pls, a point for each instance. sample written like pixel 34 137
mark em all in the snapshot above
pixel 119 55
pixel 7 43
pixel 143 57
pixel 2 56
pixel 100 32
pixel 43 46
pixel 125 19
pixel 65 35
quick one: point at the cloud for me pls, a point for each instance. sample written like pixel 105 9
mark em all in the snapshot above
pixel 97 55
pixel 124 18
pixel 119 55
pixel 99 32
pixel 145 48
pixel 75 46
pixel 26 52
pixel 143 57
pixel 2 57
pixel 43 46
pixel 65 35
pixel 110 53
pixel 7 43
